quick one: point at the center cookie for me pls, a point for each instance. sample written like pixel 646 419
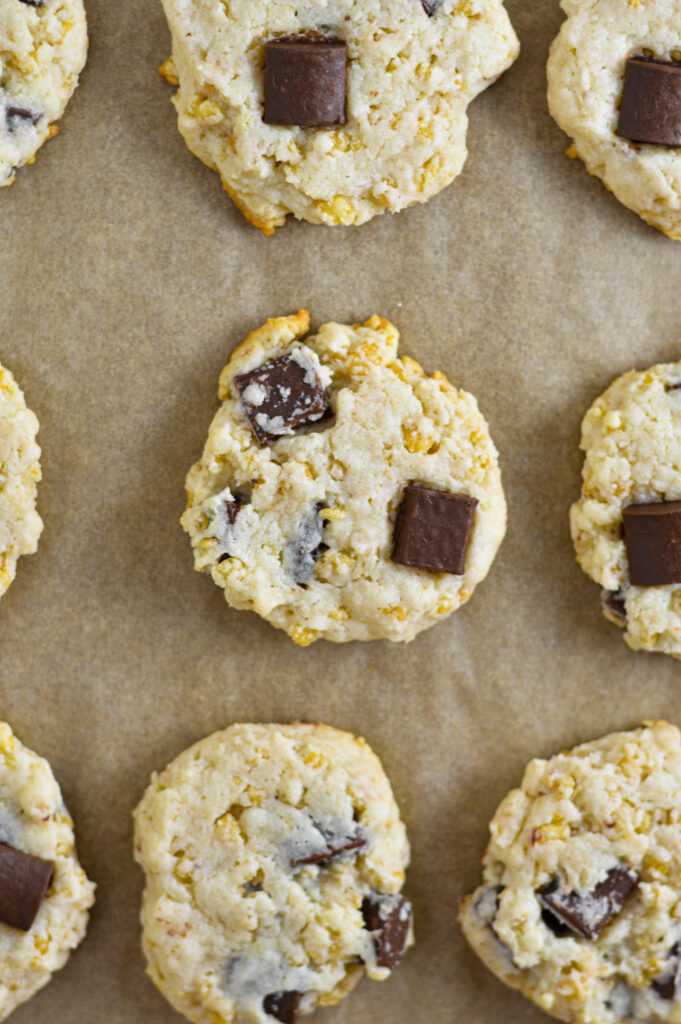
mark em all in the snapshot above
pixel 274 858
pixel 20 524
pixel 579 908
pixel 332 110
pixel 43 45
pixel 343 494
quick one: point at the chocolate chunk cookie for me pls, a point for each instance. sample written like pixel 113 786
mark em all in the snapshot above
pixel 43 46
pixel 343 494
pixel 582 881
pixel 274 858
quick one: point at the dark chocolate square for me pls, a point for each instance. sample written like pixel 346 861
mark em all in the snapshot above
pixel 651 102
pixel 652 536
pixel 283 1006
pixel 292 398
pixel 589 914
pixel 305 81
pixel 390 919
pixel 24 881
pixel 433 529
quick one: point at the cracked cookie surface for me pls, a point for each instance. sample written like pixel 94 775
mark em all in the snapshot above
pixel 43 46
pixel 34 820
pixel 580 908
pixel 631 437
pixel 274 857
pixel 295 518
pixel 20 524
pixel 586 71
pixel 412 70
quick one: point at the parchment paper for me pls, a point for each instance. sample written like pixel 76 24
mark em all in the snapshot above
pixel 126 278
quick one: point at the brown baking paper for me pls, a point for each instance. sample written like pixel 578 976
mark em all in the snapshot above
pixel 126 278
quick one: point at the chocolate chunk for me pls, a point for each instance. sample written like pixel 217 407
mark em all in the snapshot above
pixel 335 847
pixel 305 81
pixel 280 397
pixel 24 880
pixel 652 535
pixel 433 529
pixel 668 983
pixel 33 3
pixel 390 917
pixel 614 606
pixel 233 509
pixel 15 117
pixel 302 552
pixel 283 1006
pixel 588 915
pixel 651 102
pixel 430 6
pixel 559 929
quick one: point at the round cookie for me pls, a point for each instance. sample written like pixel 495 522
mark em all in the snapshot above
pixel 293 506
pixel 274 857
pixel 397 137
pixel 43 46
pixel 586 72
pixel 580 908
pixel 44 893
pixel 631 436
pixel 20 524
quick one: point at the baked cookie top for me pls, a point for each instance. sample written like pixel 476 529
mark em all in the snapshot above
pixel 274 856
pixel 581 903
pixel 631 437
pixel 43 46
pixel 395 132
pixel 20 524
pixel 295 515
pixel 35 822
pixel 586 74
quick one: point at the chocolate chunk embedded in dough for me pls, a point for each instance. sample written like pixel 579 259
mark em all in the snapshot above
pixel 24 880
pixel 668 982
pixel 280 397
pixel 15 117
pixel 430 6
pixel 651 102
pixel 335 847
pixel 589 914
pixel 305 81
pixel 614 606
pixel 283 1006
pixel 390 917
pixel 652 535
pixel 433 529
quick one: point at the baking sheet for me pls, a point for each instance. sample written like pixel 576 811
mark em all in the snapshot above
pixel 126 278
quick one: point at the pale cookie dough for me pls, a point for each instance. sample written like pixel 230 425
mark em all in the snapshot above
pixel 262 846
pixel 586 75
pixel 20 524
pixel 310 549
pixel 43 47
pixel 410 78
pixel 34 820
pixel 631 436
pixel 606 813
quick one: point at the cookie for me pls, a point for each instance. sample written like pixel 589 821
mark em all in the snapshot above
pixel 623 525
pixel 332 110
pixel 580 903
pixel 343 494
pixel 274 858
pixel 43 46
pixel 20 524
pixel 44 893
pixel 614 88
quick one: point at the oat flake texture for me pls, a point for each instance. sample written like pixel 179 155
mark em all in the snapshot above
pixel 586 76
pixel 20 524
pixel 614 803
pixel 310 549
pixel 410 80
pixel 43 48
pixel 228 919
pixel 33 819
